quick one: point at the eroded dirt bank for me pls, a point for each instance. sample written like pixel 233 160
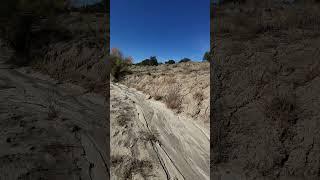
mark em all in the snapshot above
pixel 183 87
pixel 150 141
pixel 265 91
pixel 49 130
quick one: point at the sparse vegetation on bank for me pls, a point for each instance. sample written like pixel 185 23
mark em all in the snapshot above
pixel 55 40
pixel 173 99
pixel 119 64
pixel 152 61
pixel 183 87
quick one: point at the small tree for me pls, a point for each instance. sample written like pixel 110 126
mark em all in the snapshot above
pixel 116 53
pixel 170 62
pixel 119 63
pixel 184 60
pixel 149 62
pixel 206 56
pixel 153 61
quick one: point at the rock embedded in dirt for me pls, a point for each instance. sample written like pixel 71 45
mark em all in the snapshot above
pixel 148 97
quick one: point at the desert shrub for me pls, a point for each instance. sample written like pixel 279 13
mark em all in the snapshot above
pixel 206 56
pixel 149 136
pixel 118 68
pixel 119 64
pixel 152 61
pixel 128 60
pixel 122 120
pixel 116 160
pixel 184 60
pixel 173 99
pixel 129 166
pixel 170 62
pixel 137 166
pixel 198 96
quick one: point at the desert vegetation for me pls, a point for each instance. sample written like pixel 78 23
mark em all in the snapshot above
pixel 129 167
pixel 173 99
pixel 182 87
pixel 119 64
pixel 152 61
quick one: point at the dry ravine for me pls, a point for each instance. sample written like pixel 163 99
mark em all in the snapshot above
pixel 150 141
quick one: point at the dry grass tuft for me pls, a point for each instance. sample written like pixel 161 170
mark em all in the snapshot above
pixel 122 120
pixel 173 99
pixel 198 96
pixel 116 160
pixel 138 166
pixel 150 136
pixel 128 166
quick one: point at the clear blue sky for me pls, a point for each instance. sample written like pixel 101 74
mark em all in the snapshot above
pixel 168 29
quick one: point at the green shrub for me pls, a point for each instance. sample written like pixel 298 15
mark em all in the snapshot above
pixel 170 62
pixel 119 64
pixel 152 61
pixel 184 60
pixel 206 56
pixel 119 68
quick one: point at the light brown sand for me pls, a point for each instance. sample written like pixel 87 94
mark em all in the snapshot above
pixel 180 149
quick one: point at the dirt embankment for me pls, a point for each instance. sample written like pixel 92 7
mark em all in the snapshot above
pixel 53 129
pixel 79 58
pixel 266 120
pixel 49 130
pixel 183 87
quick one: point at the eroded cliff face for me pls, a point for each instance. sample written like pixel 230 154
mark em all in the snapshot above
pixel 266 112
pixel 183 87
pixel 49 129
pixel 53 129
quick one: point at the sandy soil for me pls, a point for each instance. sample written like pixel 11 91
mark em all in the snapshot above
pixel 49 130
pixel 150 141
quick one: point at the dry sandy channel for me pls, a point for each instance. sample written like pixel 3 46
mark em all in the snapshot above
pixel 150 141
